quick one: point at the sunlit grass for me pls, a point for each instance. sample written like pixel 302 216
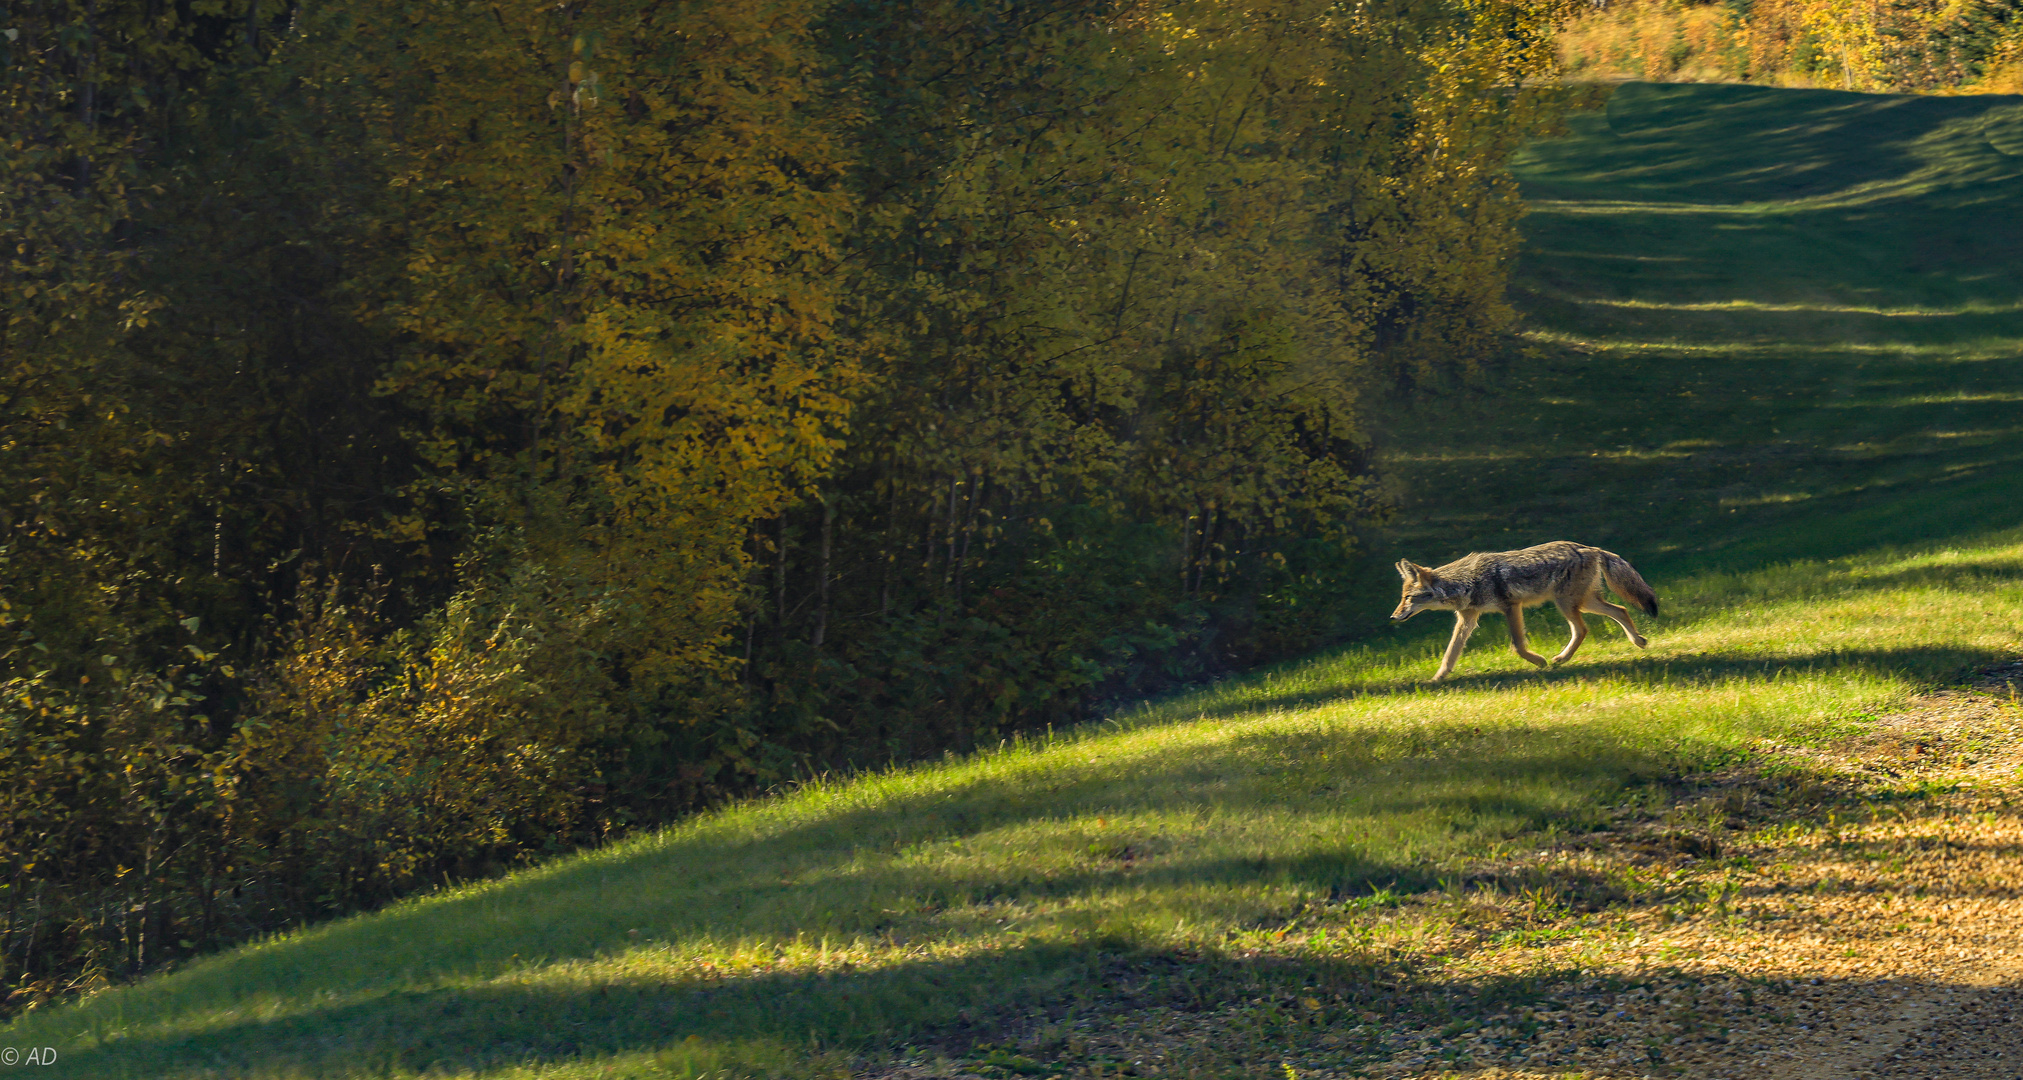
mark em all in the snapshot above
pixel 1956 397
pixel 880 909
pixel 1986 349
pixel 1828 518
pixel 1817 309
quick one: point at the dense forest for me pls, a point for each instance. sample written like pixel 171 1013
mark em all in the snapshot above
pixel 439 434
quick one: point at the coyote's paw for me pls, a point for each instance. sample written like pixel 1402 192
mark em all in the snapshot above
pixel 1643 642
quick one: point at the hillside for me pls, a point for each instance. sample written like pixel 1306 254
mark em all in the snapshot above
pixel 1777 353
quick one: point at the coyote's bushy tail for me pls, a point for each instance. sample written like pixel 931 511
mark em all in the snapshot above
pixel 1628 584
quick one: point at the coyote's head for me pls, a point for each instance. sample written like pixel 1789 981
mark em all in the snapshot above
pixel 1422 591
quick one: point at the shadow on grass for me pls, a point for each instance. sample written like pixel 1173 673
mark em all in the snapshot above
pixel 1734 249
pixel 507 978
pixel 1829 205
pixel 1735 144
pixel 479 1029
pixel 952 1003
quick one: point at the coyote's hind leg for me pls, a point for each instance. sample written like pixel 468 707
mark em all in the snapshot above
pixel 1576 624
pixel 1621 615
pixel 1464 625
pixel 1514 615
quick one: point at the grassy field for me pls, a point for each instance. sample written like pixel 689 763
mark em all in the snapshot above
pixel 1778 357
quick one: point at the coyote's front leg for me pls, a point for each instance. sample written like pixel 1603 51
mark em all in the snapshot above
pixel 1464 625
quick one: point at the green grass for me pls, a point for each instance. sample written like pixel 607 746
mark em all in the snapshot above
pixel 1777 346
pixel 1773 325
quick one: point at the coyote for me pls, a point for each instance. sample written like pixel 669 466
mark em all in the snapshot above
pixel 1568 574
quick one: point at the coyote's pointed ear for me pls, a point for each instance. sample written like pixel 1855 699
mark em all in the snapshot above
pixel 1410 570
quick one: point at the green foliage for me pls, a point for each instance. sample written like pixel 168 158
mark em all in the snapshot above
pixel 1124 279
pixel 183 419
pixel 438 435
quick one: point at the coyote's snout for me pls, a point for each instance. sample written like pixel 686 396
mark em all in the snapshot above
pixel 1568 574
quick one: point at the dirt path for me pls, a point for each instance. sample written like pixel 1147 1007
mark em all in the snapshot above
pixel 1887 948
pixel 1891 950
pixel 1853 912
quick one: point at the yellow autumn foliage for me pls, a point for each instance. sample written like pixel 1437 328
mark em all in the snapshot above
pixel 440 433
pixel 1943 46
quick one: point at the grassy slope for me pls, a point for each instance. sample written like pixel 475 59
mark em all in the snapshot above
pixel 1787 326
pixel 1777 367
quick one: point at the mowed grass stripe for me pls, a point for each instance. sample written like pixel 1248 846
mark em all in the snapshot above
pixel 1823 497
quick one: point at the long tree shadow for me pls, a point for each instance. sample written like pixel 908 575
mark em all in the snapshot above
pixel 1681 141
pixel 956 1002
pixel 454 1029
pixel 846 871
pixel 495 1028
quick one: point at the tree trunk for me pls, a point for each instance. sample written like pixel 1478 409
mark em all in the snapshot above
pixel 954 518
pixel 887 557
pixel 976 493
pixel 822 574
pixel 780 578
